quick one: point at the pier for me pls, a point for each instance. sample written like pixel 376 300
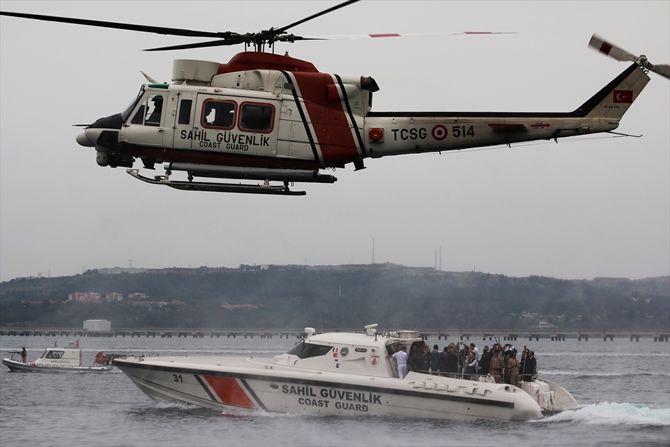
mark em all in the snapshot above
pixel 501 335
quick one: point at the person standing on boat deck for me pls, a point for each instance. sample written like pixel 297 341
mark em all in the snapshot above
pixel 462 355
pixel 400 357
pixel 452 359
pixel 474 348
pixel 513 369
pixel 485 361
pixel 531 365
pixel 471 366
pixel 434 356
pixel 24 355
pixel 442 361
pixel 417 360
pixel 522 364
pixel 426 357
pixel 497 364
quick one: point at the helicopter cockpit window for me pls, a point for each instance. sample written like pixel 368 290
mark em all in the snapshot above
pixel 149 113
pixel 218 114
pixel 257 117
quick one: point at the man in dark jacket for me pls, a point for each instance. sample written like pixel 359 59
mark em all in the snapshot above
pixel 452 359
pixel 442 361
pixel 434 354
pixel 485 361
pixel 530 366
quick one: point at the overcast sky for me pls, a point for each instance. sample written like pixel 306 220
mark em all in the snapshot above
pixel 577 209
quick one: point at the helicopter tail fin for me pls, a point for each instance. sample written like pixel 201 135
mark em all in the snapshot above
pixel 613 100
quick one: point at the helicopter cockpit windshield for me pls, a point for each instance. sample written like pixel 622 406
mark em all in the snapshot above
pixel 127 111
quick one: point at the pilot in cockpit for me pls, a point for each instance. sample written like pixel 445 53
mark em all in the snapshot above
pixel 155 118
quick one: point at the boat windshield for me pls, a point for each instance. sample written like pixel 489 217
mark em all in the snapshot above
pixel 307 350
pixel 126 113
pixel 54 354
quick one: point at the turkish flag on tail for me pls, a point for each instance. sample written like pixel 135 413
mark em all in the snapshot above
pixel 623 96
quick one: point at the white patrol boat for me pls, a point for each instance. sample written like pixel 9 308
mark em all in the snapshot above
pixel 345 374
pixel 57 360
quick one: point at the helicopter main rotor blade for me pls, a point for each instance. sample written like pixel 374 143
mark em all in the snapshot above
pixel 314 16
pixel 123 26
pixel 387 35
pixel 190 46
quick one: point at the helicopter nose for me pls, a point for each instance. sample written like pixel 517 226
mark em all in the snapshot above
pixel 89 137
pixel 83 140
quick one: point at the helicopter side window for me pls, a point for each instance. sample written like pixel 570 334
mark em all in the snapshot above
pixel 257 117
pixel 154 110
pixel 184 111
pixel 219 114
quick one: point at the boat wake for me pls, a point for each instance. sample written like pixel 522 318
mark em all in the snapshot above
pixel 615 414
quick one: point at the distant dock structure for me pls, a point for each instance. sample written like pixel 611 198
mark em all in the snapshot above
pixel 553 334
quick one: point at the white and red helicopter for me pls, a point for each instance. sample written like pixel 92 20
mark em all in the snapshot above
pixel 273 118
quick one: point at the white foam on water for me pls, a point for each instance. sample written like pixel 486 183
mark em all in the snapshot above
pixel 606 413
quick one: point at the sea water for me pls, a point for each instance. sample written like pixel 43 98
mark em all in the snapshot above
pixel 623 387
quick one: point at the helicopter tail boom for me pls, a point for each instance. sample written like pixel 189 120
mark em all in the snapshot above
pixel 396 133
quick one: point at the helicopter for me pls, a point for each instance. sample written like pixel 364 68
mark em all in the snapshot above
pixel 279 120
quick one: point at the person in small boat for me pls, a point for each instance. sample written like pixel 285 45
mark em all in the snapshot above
pixel 24 355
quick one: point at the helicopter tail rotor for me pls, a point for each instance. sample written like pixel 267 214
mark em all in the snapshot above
pixel 613 51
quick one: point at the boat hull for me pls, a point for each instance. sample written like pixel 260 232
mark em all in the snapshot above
pixel 15 366
pixel 247 385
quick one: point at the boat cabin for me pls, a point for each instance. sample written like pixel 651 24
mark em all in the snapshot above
pixel 350 353
pixel 54 356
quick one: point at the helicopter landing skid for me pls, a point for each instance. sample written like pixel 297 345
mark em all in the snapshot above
pixel 217 187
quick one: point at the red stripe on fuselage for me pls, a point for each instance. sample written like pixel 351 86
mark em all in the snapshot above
pixel 229 391
pixel 323 102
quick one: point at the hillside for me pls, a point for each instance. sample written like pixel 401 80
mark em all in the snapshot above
pixel 340 296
